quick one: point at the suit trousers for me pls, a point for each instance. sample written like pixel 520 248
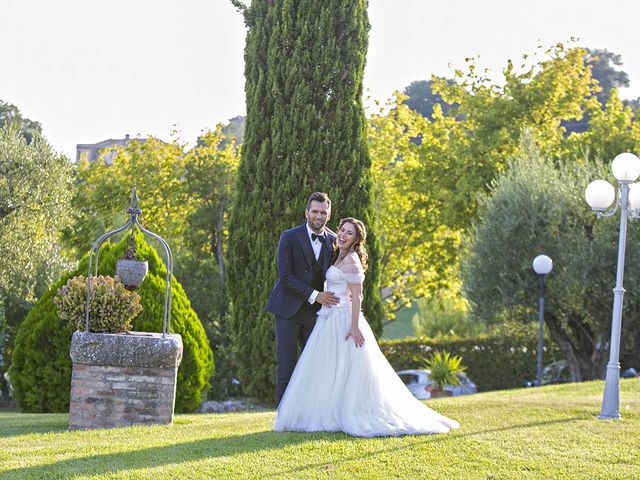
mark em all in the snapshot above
pixel 291 334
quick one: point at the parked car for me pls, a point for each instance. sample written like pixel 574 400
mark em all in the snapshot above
pixel 418 383
pixel 556 372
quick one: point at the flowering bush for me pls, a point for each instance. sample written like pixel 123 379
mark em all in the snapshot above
pixel 112 306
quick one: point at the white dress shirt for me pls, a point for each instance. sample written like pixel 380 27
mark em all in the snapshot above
pixel 317 248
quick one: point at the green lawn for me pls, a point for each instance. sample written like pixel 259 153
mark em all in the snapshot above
pixel 401 327
pixel 550 433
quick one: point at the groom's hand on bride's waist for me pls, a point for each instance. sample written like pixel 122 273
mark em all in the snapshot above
pixel 328 299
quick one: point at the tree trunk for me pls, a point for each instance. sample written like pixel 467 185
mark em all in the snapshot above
pixel 584 344
pixel 579 361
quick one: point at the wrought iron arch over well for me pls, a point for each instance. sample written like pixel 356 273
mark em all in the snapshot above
pixel 134 213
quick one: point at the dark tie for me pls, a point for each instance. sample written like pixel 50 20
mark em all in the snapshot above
pixel 315 235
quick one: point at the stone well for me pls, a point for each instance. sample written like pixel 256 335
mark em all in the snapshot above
pixel 120 380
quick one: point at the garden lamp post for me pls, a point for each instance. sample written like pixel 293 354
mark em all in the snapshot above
pixel 542 265
pixel 600 194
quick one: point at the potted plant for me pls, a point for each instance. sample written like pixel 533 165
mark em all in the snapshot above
pixel 444 370
pixel 131 271
pixel 112 306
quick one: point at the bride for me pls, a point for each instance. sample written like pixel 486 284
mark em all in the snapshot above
pixel 342 381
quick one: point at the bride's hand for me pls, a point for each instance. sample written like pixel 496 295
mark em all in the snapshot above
pixel 356 334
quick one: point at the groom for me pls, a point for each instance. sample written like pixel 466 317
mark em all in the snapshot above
pixel 304 253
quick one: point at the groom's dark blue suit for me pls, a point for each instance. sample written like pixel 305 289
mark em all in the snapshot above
pixel 299 274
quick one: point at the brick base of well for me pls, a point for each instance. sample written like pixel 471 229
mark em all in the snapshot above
pixel 124 379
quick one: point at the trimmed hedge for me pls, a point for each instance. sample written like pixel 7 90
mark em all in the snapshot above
pixel 494 362
pixel 41 367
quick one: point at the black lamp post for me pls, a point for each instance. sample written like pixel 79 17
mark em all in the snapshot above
pixel 542 265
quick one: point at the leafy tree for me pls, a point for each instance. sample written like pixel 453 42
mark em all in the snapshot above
pixel 426 194
pixel 35 194
pixel 156 167
pixel 633 105
pixel 35 197
pixel 10 116
pixel 417 251
pixel 426 191
pixel 612 129
pixel 210 174
pixel 491 120
pixel 185 197
pixel 422 99
pixel 233 131
pixel 305 132
pixel 603 69
pixel 41 366
pixel 536 207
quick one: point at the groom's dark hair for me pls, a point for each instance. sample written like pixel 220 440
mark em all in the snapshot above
pixel 318 197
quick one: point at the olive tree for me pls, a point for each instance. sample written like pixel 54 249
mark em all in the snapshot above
pixel 538 207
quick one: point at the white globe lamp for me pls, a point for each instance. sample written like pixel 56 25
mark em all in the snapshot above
pixel 626 167
pixel 542 265
pixel 634 196
pixel 600 194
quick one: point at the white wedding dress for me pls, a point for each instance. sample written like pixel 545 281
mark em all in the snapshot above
pixel 338 387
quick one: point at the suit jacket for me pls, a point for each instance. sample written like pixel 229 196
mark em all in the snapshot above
pixel 295 259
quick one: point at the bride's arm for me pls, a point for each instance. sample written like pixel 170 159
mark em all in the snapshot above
pixel 354 275
pixel 356 303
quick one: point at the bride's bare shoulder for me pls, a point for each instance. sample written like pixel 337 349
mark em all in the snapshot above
pixel 352 259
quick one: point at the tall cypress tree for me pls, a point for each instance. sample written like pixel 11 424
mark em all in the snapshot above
pixel 305 132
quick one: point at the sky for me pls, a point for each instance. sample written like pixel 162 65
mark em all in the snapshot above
pixel 91 70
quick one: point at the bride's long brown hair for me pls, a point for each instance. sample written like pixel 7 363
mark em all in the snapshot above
pixel 358 245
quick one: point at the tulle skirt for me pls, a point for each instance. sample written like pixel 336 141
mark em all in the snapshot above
pixel 338 387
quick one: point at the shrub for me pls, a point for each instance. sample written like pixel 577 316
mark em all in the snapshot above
pixel 41 367
pixel 111 307
pixel 444 369
pixel 495 361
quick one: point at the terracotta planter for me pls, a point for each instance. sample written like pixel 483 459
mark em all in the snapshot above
pixel 440 394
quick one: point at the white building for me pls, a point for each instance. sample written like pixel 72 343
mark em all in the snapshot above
pixel 92 151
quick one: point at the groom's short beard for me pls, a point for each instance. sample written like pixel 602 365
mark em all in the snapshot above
pixel 314 227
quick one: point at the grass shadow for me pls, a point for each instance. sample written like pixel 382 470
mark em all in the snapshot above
pixel 13 423
pixel 163 455
pixel 427 439
pixel 226 446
